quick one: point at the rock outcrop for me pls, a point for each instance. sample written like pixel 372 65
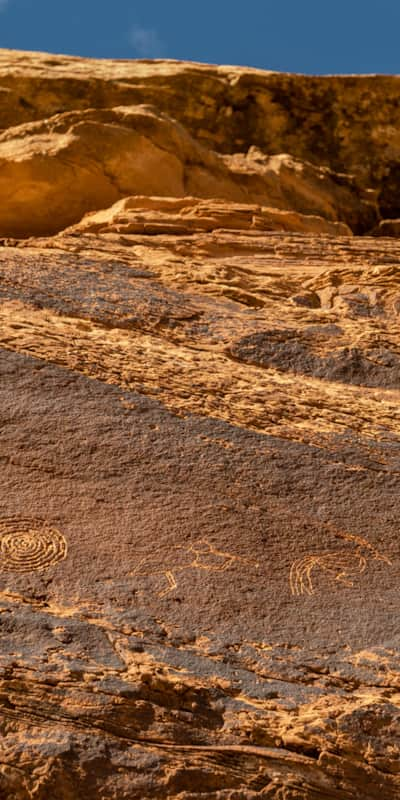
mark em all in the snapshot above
pixel 349 123
pixel 80 161
pixel 199 434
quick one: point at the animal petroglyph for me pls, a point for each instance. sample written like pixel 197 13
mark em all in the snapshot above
pixel 28 545
pixel 340 565
pixel 199 555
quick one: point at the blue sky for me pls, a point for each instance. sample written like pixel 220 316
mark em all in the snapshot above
pixel 311 36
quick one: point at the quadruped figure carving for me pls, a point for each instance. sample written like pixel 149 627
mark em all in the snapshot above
pixel 199 555
pixel 29 545
pixel 340 565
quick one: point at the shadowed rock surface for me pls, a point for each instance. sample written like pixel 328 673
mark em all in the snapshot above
pixel 199 434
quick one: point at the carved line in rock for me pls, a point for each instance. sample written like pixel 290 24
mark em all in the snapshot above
pixel 199 555
pixel 28 545
pixel 341 566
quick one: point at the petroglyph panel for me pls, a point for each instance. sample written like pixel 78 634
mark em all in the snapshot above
pixel 28 545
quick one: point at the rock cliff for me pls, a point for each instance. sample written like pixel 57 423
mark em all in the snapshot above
pixel 199 440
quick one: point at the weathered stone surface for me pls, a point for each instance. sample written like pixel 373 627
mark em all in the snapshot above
pixel 200 459
pixel 350 123
pixel 203 493
pixel 170 215
pixel 290 183
pixel 53 171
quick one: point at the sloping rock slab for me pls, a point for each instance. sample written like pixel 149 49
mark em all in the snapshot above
pixel 188 641
pixel 199 555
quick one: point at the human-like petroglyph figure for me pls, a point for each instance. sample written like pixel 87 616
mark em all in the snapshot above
pixel 340 565
pixel 199 555
pixel 30 545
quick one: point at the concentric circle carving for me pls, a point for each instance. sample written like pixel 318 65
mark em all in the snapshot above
pixel 28 545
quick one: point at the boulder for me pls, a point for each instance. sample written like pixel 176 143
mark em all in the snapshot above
pixel 53 171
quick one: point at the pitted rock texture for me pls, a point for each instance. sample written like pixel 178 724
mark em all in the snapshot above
pixel 199 438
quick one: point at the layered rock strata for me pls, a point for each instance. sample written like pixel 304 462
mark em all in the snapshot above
pixel 199 436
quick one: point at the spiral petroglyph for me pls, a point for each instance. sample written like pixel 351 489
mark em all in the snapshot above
pixel 28 545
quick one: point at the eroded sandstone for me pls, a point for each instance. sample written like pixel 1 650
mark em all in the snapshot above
pixel 349 123
pixel 199 444
pixel 82 161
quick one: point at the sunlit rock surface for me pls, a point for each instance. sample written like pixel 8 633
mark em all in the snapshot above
pixel 199 441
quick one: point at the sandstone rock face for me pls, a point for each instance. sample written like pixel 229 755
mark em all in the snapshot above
pixel 158 215
pixel 54 171
pixel 199 439
pixel 349 123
